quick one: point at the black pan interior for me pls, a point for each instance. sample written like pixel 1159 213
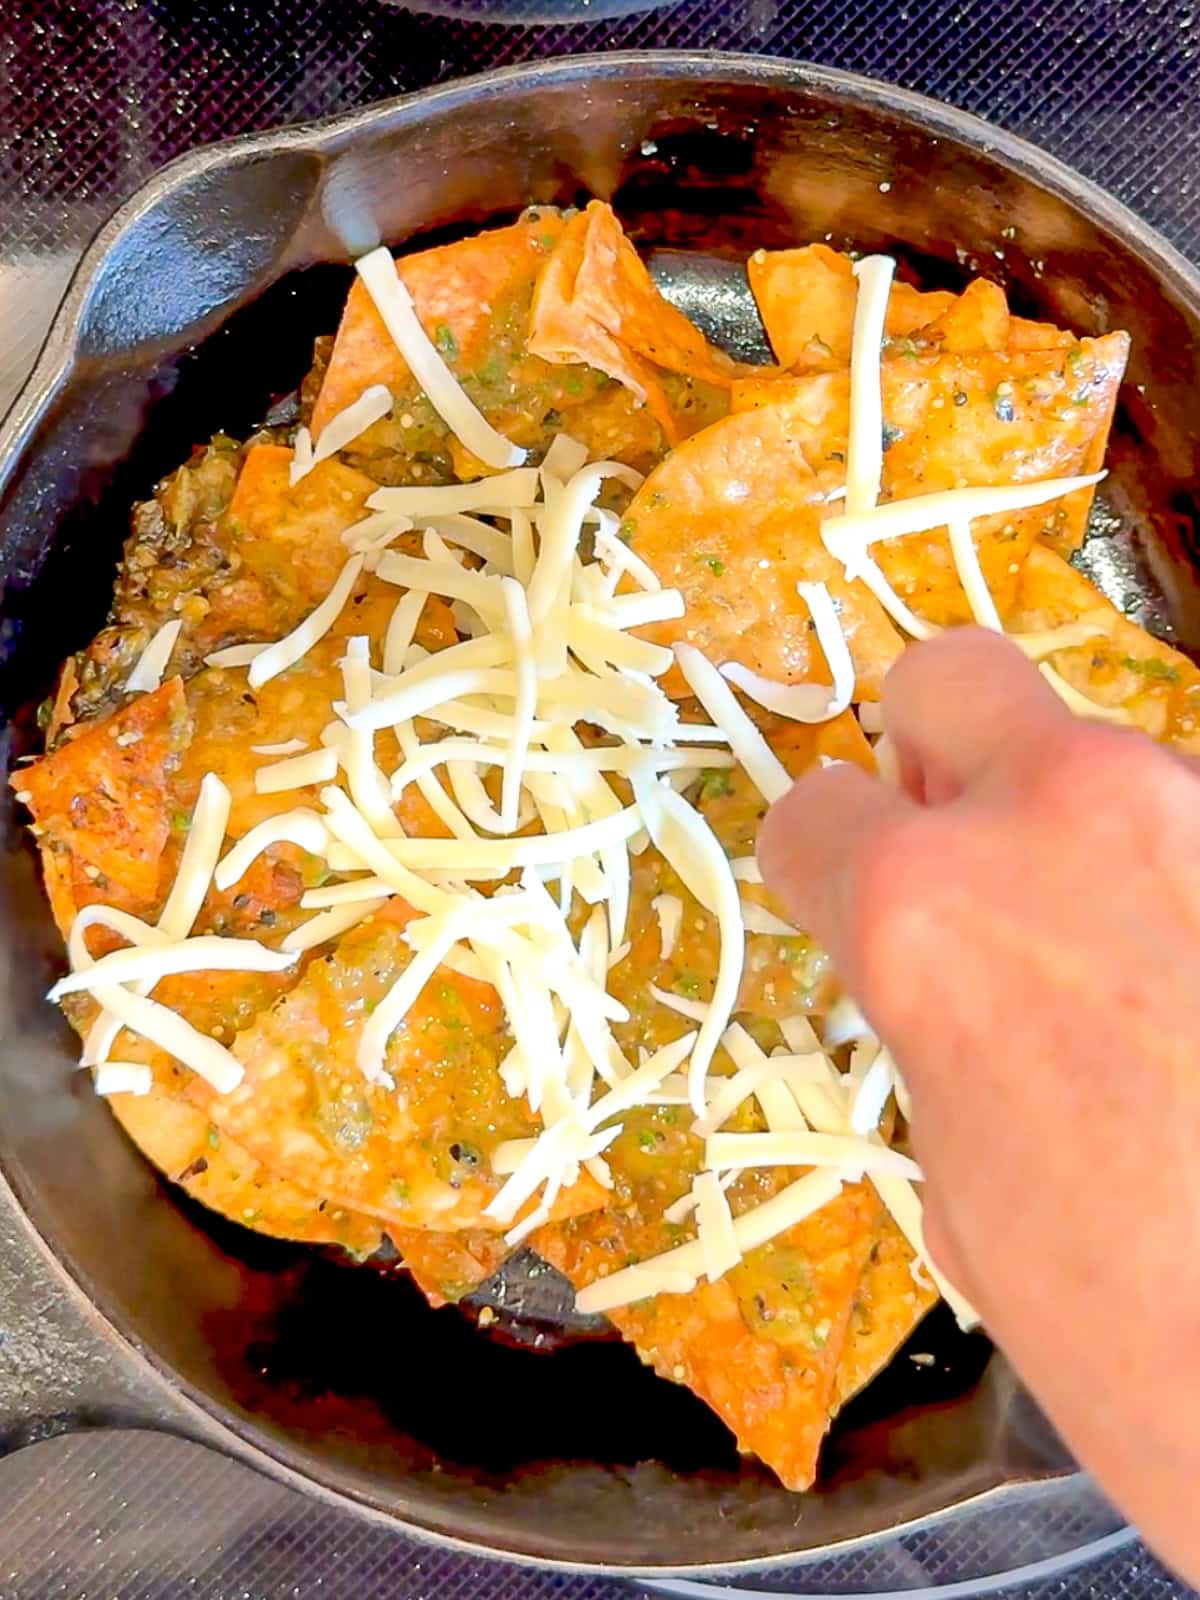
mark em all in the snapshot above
pixel 198 320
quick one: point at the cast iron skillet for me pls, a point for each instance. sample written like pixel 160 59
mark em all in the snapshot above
pixel 191 313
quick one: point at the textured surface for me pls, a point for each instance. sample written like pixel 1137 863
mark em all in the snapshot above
pixel 94 95
pixel 149 1518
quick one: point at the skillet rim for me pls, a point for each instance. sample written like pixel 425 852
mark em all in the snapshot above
pixel 56 365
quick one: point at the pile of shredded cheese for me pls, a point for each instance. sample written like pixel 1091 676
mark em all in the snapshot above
pixel 544 608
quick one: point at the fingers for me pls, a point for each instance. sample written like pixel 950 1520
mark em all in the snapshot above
pixel 963 706
pixel 811 837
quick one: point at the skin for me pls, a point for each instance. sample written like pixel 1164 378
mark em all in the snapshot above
pixel 1020 919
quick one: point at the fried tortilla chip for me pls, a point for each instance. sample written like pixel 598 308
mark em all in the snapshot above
pixel 448 1266
pixel 457 289
pixel 474 299
pixel 732 519
pixel 762 1347
pixel 1122 665
pixel 806 299
pixel 189 1150
pixel 596 303
pixel 288 539
pixel 98 808
pixel 416 1156
pixel 888 1305
pixel 953 421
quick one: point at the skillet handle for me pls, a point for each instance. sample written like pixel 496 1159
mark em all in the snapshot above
pixel 60 1369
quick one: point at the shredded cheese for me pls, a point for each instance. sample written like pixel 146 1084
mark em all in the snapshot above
pixel 966 559
pixel 1045 641
pixel 693 850
pixel 152 962
pixel 520 630
pixel 677 1271
pixel 235 655
pixel 285 652
pixel 844 1022
pixel 751 1080
pixel 1080 704
pixel 853 531
pixel 694 1010
pixel 799 1149
pixel 668 908
pixel 186 896
pixel 871 1095
pixel 296 772
pixel 339 431
pixel 300 827
pixel 330 924
pixel 714 1221
pixel 286 747
pixel 805 702
pixel 168 1030
pixel 400 998
pixel 763 766
pixel 123 1077
pixel 906 1211
pixel 147 673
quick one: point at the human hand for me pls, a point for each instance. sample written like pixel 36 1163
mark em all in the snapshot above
pixel 1020 921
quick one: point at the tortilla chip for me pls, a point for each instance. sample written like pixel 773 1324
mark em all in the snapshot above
pixel 1025 335
pixel 888 1305
pixel 732 519
pixel 99 805
pixel 474 298
pixel 448 1266
pixel 456 290
pixel 762 1347
pixel 1123 665
pixel 178 1139
pixel 976 320
pixel 596 302
pixel 801 745
pixel 416 1156
pixel 806 299
pixel 294 536
pixel 959 420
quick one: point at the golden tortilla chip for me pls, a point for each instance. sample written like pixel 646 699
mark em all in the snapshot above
pixel 806 299
pixel 596 302
pixel 457 290
pixel 290 540
pixel 1123 665
pixel 762 1347
pixel 417 1156
pixel 732 519
pixel 954 421
pixel 98 805
pixel 189 1150
pixel 447 1266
